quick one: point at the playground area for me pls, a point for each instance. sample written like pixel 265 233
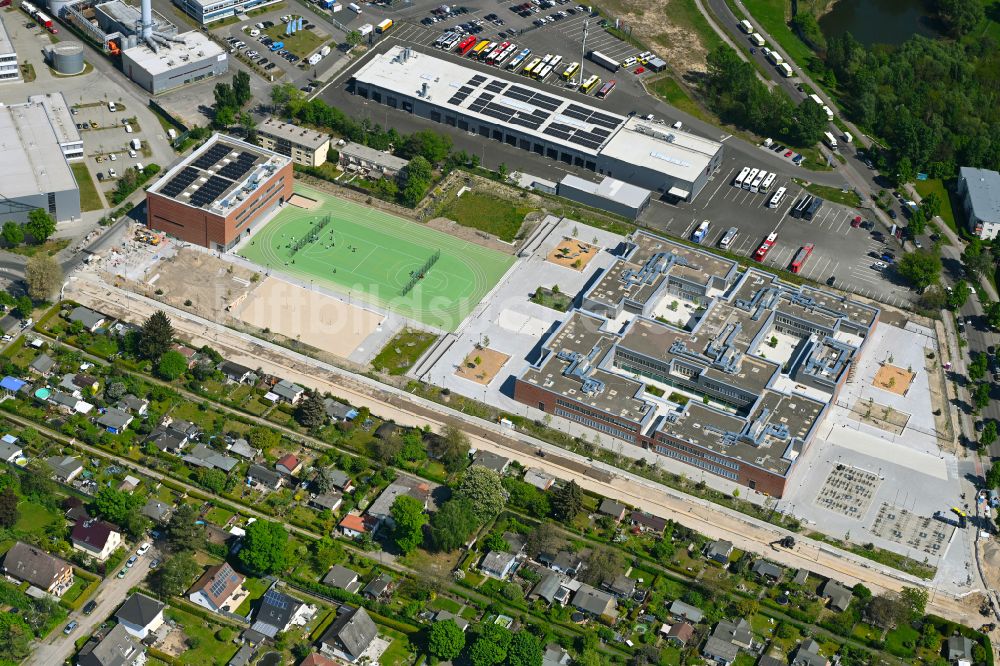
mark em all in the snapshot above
pixel 572 253
pixel 376 258
pixel 482 365
pixel 893 379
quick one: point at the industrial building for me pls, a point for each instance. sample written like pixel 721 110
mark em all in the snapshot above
pixel 9 70
pixel 208 11
pixel 980 192
pixel 378 163
pixel 192 57
pixel 217 194
pixel 305 146
pixel 610 194
pixel 736 382
pixel 36 172
pixel 58 113
pixel 644 153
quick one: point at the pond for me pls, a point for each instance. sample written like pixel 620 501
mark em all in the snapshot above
pixel 878 21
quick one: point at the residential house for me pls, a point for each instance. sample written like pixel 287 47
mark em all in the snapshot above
pixel 242 448
pixel 768 660
pixel 349 636
pixel 10 450
pixel 719 551
pixel 286 391
pixel 685 611
pixel 338 479
pixel 723 653
pixel 612 508
pixel 679 634
pixel 515 542
pixel 622 586
pixel 234 372
pixel 338 411
pixel 498 564
pixel 220 588
pixel 202 456
pixel 8 324
pixel 547 587
pixel 380 509
pixel 90 320
pixel 555 655
pixel 597 603
pixel 68 403
pixel 490 460
pixel 114 420
pixel 190 355
pixel 342 578
pixel 86 383
pixel 767 570
pixel 316 659
pixel 388 428
pixel 35 566
pixel 838 595
pixel 74 509
pixel 443 615
pixel 801 576
pixel 277 612
pixel 539 479
pixel 379 587
pixel 563 562
pixel 243 656
pixel 288 465
pixel 330 501
pixel 65 468
pixel 129 483
pixel 117 648
pixel 173 436
pixel 959 648
pixel 131 403
pixel 140 615
pixel 648 522
pixel 96 538
pixel 157 511
pixel 738 633
pixel 263 478
pixel 807 654
pixel 42 365
pixel 67 384
pixel 353 526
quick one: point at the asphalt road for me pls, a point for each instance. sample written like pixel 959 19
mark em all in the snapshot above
pixel 111 593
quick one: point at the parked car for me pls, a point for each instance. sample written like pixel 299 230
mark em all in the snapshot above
pixel 73 624
pixel 121 574
pixel 131 561
pixel 89 607
pixel 142 549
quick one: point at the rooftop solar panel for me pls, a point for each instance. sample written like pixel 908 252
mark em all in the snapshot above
pixel 605 121
pixel 457 99
pixel 496 86
pixel 236 170
pixel 179 182
pixel 210 191
pixel 545 99
pixel 476 80
pixel 212 156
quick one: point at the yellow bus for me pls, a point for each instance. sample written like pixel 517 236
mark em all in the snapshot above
pixel 530 67
pixel 592 82
pixel 570 70
pixel 480 47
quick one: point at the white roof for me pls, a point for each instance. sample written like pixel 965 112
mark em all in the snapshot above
pixel 29 150
pixel 662 148
pixel 609 188
pixel 300 136
pixel 6 46
pixel 195 46
pixel 58 111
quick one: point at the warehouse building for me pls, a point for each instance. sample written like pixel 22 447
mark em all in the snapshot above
pixel 716 392
pixel 217 194
pixel 36 173
pixel 192 58
pixel 670 162
pixel 208 11
pixel 9 71
pixel 305 146
pixel 58 113
pixel 610 194
pixel 980 192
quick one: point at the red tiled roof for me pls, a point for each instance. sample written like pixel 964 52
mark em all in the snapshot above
pixel 93 533
pixel 316 659
pixel 288 461
pixel 353 522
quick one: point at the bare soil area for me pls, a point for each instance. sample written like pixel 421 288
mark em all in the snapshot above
pixel 882 417
pixel 482 365
pixel 893 379
pixel 572 253
pixel 657 23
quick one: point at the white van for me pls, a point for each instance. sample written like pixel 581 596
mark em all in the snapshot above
pixel 355 8
pixel 111 107
pixel 128 128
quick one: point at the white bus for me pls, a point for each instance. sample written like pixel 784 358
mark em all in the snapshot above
pixel 544 72
pixel 757 39
pixel 814 97
pixel 785 70
pixel 728 238
pixel 774 57
pixel 768 182
pixel 750 178
pixel 755 185
pixel 555 61
pixel 746 27
pixel 776 199
pixel 830 140
pixel 738 181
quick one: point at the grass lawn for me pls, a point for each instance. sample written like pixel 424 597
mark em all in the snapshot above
pixel 901 641
pixel 49 247
pixel 949 206
pixel 403 351
pixel 210 650
pixel 557 301
pixel 445 604
pixel 256 587
pixel 487 213
pixel 675 95
pixel 684 13
pixel 73 593
pixel 33 517
pixel 771 15
pixel 399 651
pixel 302 43
pixel 834 194
pixel 89 198
pixel 218 516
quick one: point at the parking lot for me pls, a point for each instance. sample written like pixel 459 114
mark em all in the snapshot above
pixel 256 38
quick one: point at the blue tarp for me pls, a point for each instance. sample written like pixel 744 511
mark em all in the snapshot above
pixel 11 384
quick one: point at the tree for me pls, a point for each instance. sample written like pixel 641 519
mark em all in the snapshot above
pixel 136 525
pixel 183 533
pixel 285 94
pixel 452 525
pixel 524 650
pixel 264 547
pixel 917 224
pixel 13 234
pixel 408 515
pixel 241 88
pixel 602 565
pixel 311 412
pixel 212 479
pixel 445 640
pixel 451 448
pixel 958 295
pixel 976 258
pixel 387 449
pixel 920 268
pixel 326 552
pixel 116 505
pixel 40 225
pixel 23 306
pixel 993 475
pixel 914 600
pixel 886 610
pixel 981 397
pixel 989 433
pixel 567 502
pixel 432 146
pixel 960 16
pixel 175 574
pixel 482 487
pixel 415 179
pixel 978 366
pixel 812 122
pixel 492 642
pixel 354 38
pixel 156 336
pixel 37 484
pixel 43 275
pixel 8 508
pixel 172 365
pixel 993 315
pixel 263 438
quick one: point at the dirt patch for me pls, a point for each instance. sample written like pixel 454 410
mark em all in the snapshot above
pixel 882 417
pixel 174 643
pixel 660 26
pixel 482 365
pixel 893 379
pixel 302 202
pixel 572 253
pixel 314 318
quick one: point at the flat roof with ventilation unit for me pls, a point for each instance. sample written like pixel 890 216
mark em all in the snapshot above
pixel 299 136
pixel 662 148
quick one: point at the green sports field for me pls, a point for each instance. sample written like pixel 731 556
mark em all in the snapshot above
pixel 374 256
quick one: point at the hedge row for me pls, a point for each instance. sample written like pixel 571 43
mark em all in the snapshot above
pixel 84 595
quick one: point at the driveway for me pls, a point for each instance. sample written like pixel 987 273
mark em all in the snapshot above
pixel 112 592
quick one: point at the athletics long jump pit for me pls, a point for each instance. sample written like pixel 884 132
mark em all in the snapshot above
pixel 319 320
pixel 377 258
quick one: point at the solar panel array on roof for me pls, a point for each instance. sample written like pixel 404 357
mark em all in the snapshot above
pixel 210 191
pixel 496 85
pixel 584 114
pixel 530 96
pixel 235 170
pixel 212 156
pixel 276 599
pixel 220 582
pixel 460 96
pixel 179 182
pixel 476 80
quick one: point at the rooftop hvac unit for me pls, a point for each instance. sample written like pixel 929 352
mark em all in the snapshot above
pixel 423 89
